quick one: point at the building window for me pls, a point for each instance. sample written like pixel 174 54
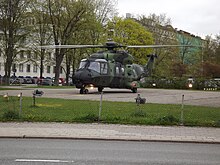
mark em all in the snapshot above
pixel 28 69
pixel 14 68
pixel 21 67
pixel 29 55
pixel 54 69
pixel 33 21
pixel 22 55
pixel 35 56
pixel 48 69
pixel 35 68
pixel 49 57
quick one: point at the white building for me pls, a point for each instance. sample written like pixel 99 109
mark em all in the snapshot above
pixel 27 62
pixel 29 65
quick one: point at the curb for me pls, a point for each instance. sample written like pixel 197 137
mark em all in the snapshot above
pixel 109 139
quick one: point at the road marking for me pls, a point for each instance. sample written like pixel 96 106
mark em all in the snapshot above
pixel 44 160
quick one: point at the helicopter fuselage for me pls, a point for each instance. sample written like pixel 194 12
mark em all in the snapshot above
pixel 116 71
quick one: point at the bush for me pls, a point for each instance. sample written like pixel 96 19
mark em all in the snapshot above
pixel 173 83
pixel 10 115
pixel 168 120
pixel 139 113
pixel 217 123
pixel 91 117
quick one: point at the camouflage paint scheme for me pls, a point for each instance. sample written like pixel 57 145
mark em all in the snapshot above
pixel 115 69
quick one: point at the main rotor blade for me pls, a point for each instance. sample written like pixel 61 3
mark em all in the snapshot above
pixel 110 46
pixel 69 46
pixel 160 46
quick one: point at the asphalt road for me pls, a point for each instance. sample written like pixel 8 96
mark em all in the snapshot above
pixel 90 152
pixel 162 96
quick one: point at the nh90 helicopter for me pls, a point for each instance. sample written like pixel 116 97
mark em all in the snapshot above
pixel 111 68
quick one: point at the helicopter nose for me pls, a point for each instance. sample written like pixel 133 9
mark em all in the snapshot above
pixel 83 75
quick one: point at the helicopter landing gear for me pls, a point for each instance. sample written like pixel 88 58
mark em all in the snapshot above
pixel 134 90
pixel 100 89
pixel 84 91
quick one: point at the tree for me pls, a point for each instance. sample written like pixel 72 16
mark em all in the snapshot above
pixel 105 10
pixel 11 17
pixel 66 17
pixel 91 32
pixel 160 19
pixel 210 64
pixel 129 32
pixel 211 70
pixel 163 34
pixel 217 50
pixel 178 69
pixel 40 32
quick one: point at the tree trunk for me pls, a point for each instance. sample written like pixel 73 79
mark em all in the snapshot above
pixel 59 58
pixel 42 62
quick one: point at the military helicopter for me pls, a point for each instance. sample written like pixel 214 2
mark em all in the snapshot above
pixel 111 67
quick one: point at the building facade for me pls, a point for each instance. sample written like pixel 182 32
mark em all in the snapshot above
pixel 28 61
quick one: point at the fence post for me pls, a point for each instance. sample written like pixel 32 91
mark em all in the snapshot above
pixel 181 118
pixel 100 107
pixel 20 111
pixel 34 100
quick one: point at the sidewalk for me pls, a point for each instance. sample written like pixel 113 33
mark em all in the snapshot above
pixel 110 132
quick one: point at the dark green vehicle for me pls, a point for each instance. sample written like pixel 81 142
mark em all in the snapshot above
pixel 110 68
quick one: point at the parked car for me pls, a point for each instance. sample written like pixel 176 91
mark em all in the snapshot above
pixel 34 79
pixel 21 79
pixel 14 80
pixel 28 80
pixel 47 81
pixel 61 81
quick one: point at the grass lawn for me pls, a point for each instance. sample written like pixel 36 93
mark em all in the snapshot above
pixel 5 88
pixel 61 110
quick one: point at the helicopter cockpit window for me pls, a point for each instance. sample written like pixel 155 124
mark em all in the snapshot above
pixel 104 68
pixel 82 64
pixel 94 66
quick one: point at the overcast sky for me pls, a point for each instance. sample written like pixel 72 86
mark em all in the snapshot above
pixel 199 17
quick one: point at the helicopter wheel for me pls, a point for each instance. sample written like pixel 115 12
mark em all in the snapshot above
pixel 81 91
pixel 84 91
pixel 100 89
pixel 134 90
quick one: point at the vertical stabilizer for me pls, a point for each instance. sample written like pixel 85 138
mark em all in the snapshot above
pixel 149 66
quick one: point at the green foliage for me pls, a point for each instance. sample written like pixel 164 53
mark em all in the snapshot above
pixel 168 120
pixel 10 115
pixel 91 117
pixel 211 70
pixel 169 83
pixel 129 32
pixel 163 63
pixel 218 123
pixel 139 113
